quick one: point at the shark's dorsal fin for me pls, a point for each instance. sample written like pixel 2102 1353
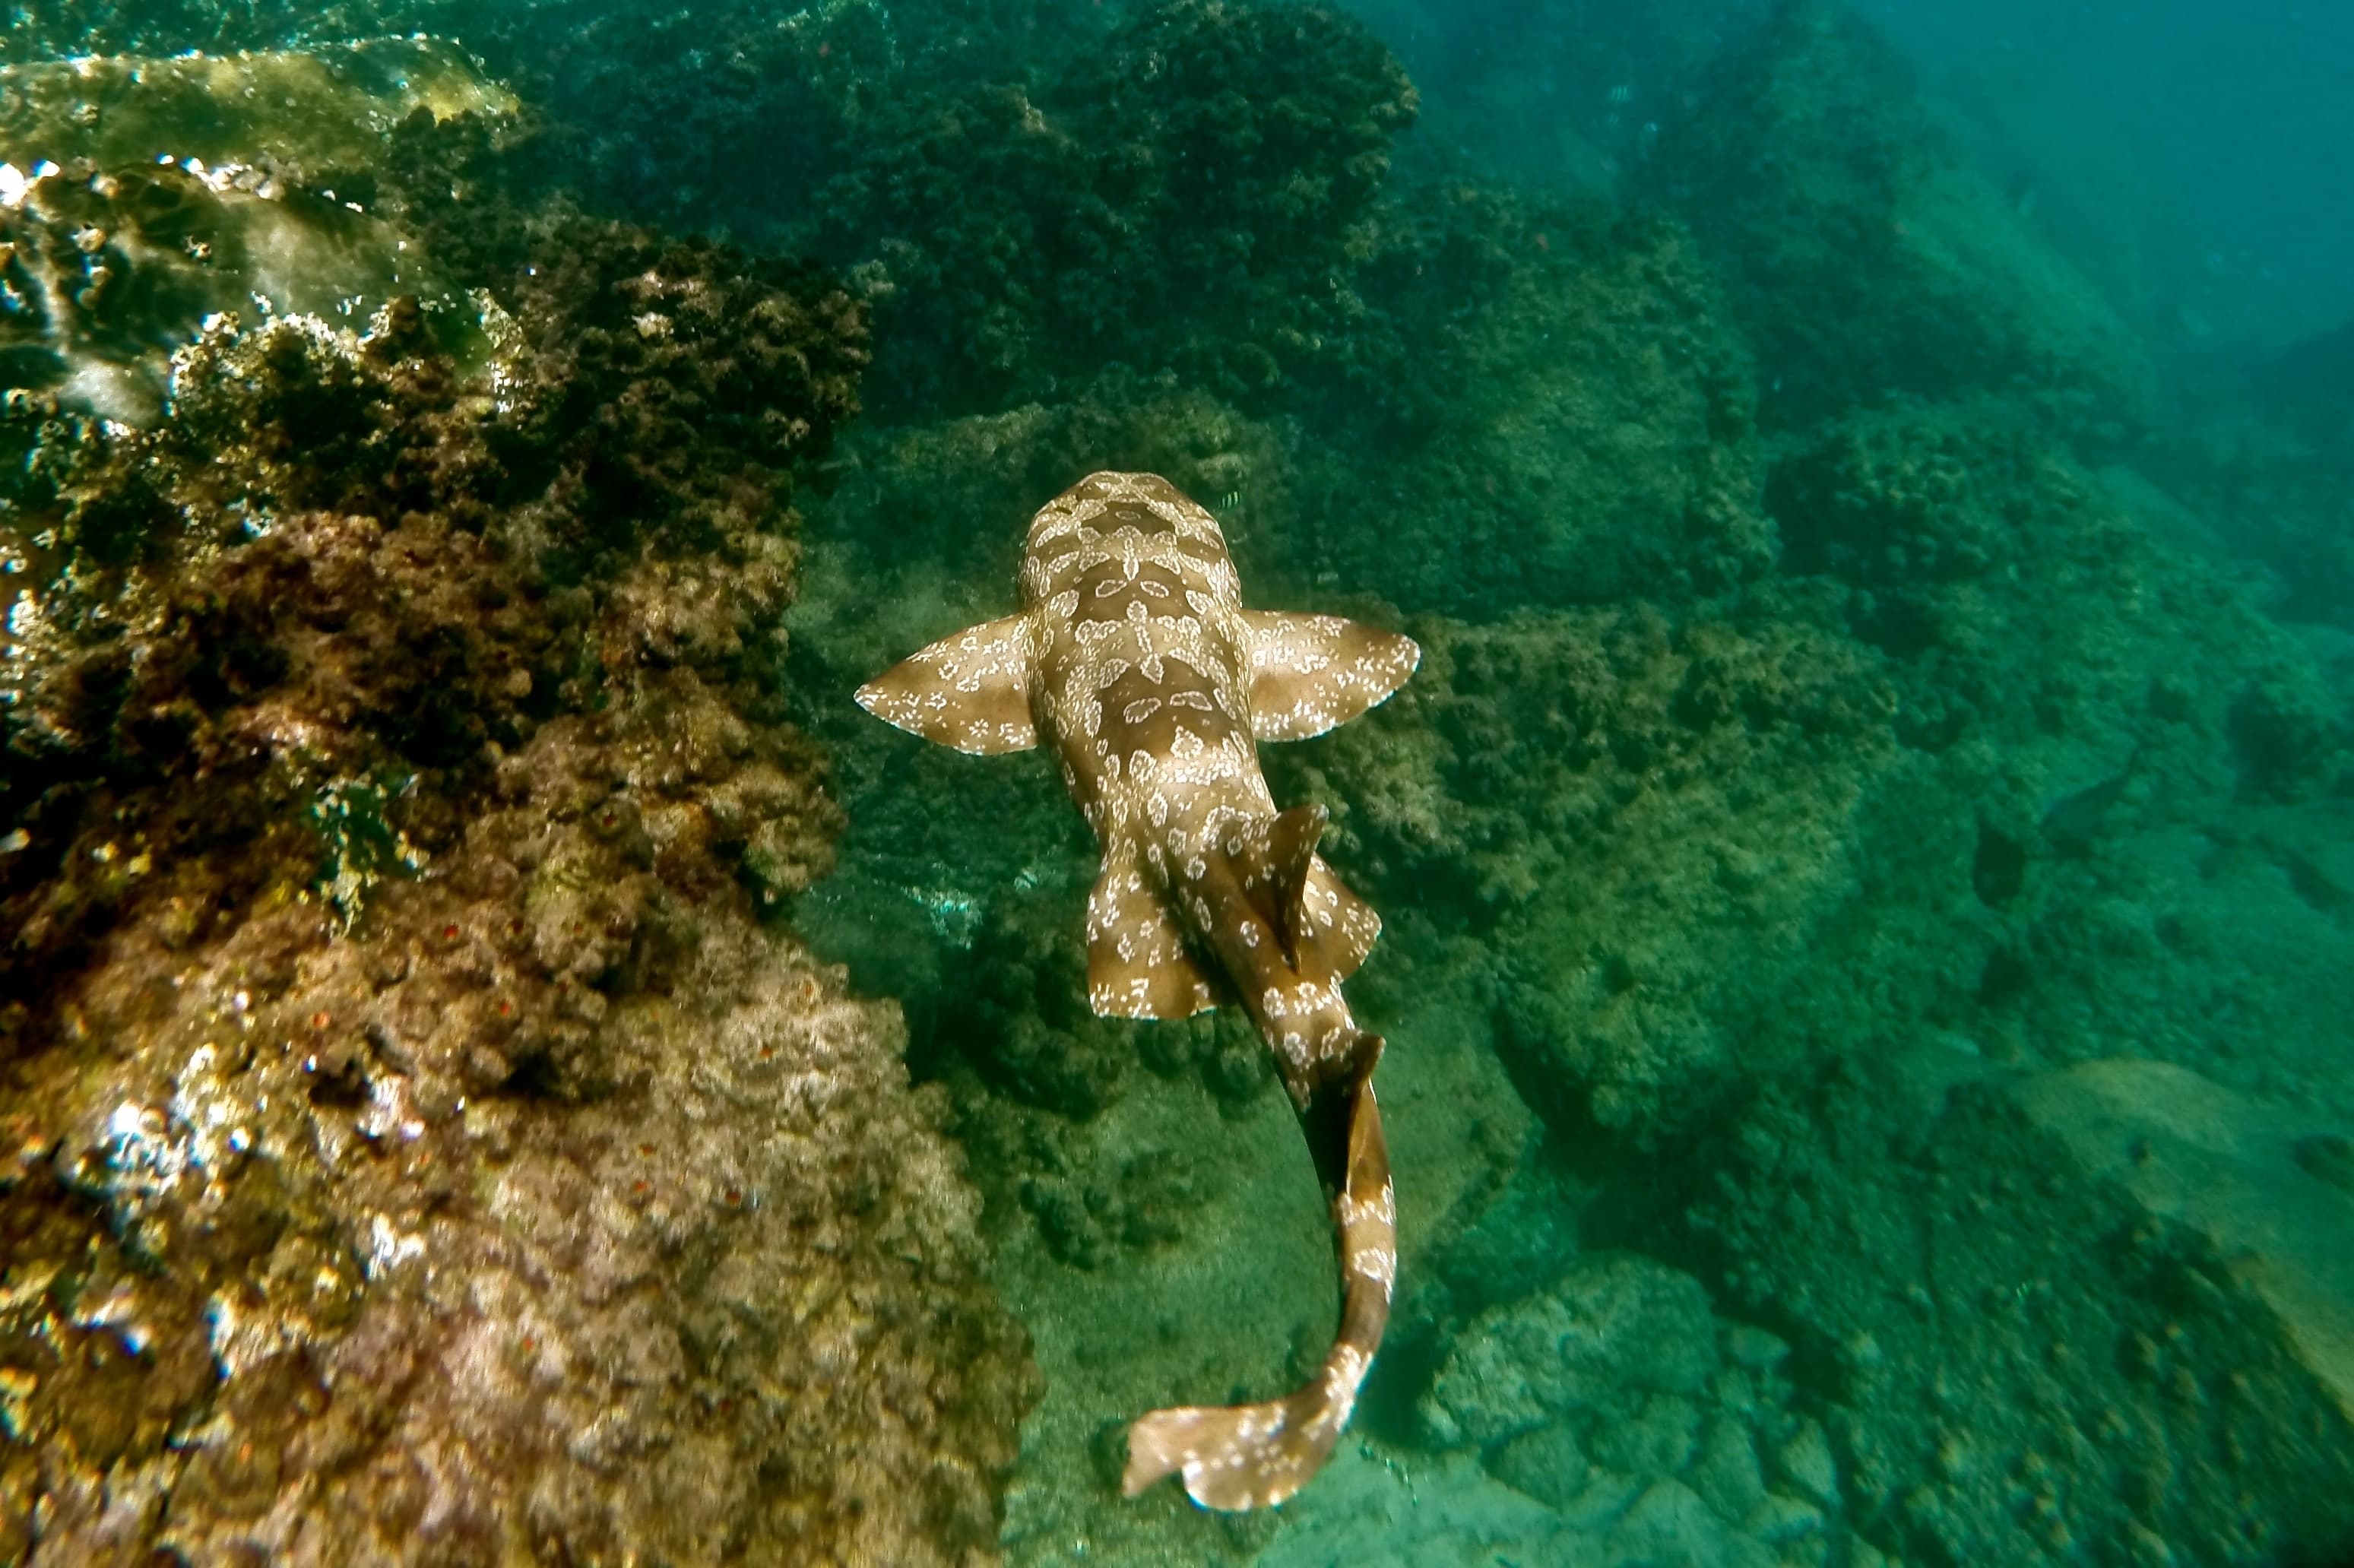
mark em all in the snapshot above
pixel 971 691
pixel 1292 842
pixel 1310 673
pixel 1275 858
pixel 1137 963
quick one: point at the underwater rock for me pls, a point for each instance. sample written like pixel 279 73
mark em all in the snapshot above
pixel 1807 1464
pixel 292 113
pixel 1866 255
pixel 1669 1523
pixel 1592 1397
pixel 729 117
pixel 148 194
pixel 398 1072
pixel 1906 494
pixel 705 1312
pixel 1726 1471
pixel 2288 734
pixel 102 275
pixel 1610 1331
pixel 2106 744
pixel 1563 412
pixel 2018 1357
pixel 1545 1463
pixel 1192 196
pixel 2235 1170
pixel 1589 789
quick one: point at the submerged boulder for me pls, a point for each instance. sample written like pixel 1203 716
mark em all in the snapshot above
pixel 2272 1193
pixel 145 195
pixel 1865 254
pixel 415 1146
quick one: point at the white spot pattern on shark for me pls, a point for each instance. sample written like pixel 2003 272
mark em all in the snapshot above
pixel 1133 657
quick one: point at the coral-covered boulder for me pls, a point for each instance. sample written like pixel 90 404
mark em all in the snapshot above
pixel 1865 254
pixel 417 1148
pixel 146 195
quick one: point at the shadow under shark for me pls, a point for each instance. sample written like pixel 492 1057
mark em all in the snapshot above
pixel 1133 657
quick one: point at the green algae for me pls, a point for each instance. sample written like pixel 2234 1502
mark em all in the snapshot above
pixel 312 109
pixel 152 194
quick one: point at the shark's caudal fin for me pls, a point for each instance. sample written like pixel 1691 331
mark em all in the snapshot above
pixel 1249 1455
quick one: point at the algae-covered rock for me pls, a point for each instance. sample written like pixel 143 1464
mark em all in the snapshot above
pixel 106 273
pixel 714 1310
pixel 294 111
pixel 1865 254
pixel 417 1149
pixel 1193 197
pixel 1562 412
pixel 1591 790
pixel 141 195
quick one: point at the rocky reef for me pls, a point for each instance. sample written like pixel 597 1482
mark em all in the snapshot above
pixel 418 1146
pixel 1864 856
pixel 1140 208
pixel 146 195
pixel 1865 254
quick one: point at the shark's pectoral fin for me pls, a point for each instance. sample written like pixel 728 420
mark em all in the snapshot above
pixel 971 691
pixel 1310 673
pixel 1137 963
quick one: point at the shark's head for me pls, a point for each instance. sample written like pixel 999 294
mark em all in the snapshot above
pixel 1107 500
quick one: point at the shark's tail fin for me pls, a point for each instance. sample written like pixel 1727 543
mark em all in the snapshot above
pixel 1249 1455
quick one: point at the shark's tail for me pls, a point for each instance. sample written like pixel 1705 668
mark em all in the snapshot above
pixel 1249 1455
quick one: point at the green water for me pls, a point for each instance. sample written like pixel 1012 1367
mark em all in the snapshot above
pixel 502 1060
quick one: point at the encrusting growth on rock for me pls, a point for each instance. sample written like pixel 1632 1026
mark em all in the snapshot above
pixel 415 1148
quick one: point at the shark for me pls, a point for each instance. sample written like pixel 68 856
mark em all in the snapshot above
pixel 1133 659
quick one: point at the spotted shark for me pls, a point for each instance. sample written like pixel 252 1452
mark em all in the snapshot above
pixel 1133 658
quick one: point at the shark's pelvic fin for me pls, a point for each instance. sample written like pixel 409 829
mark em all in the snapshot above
pixel 971 691
pixel 1249 1455
pixel 1138 965
pixel 1344 922
pixel 1310 673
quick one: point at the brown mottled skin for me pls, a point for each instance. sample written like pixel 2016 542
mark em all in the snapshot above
pixel 1133 656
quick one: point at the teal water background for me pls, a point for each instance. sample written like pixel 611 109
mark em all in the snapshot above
pixel 1868 857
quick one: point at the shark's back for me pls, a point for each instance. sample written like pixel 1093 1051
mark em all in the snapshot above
pixel 1141 653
